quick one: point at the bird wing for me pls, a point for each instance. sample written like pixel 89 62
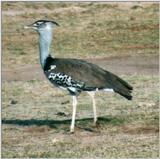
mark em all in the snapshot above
pixel 90 74
pixel 80 70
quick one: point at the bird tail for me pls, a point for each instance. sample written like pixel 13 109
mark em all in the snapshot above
pixel 124 89
pixel 125 94
pixel 124 83
pixel 121 87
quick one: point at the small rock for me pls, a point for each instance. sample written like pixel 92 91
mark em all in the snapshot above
pixel 62 114
pixel 136 7
pixel 132 18
pixel 14 102
pixel 65 102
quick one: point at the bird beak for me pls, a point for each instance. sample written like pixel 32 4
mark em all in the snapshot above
pixel 29 26
pixel 26 27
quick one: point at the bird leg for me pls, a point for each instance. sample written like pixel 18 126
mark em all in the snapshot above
pixel 92 94
pixel 73 113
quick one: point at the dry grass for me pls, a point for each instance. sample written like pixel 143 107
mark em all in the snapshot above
pixel 32 128
pixel 86 30
pixel 36 116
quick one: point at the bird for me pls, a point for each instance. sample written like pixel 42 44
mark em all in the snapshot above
pixel 75 75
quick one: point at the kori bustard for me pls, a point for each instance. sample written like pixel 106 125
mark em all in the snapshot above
pixel 75 75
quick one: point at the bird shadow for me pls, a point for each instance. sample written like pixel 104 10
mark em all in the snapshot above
pixel 82 123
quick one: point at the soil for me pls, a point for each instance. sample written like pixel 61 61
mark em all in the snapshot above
pixel 136 65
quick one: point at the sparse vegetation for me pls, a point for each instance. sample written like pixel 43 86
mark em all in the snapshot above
pixel 36 116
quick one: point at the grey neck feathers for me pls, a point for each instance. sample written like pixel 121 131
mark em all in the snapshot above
pixel 45 40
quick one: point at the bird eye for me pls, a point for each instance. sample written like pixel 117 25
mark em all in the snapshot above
pixel 39 23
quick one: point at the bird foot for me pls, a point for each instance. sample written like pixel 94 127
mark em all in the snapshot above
pixel 96 124
pixel 71 131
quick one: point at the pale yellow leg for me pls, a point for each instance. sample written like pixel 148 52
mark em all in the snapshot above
pixel 92 94
pixel 73 114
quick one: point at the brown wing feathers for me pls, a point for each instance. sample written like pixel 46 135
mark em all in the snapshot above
pixel 92 75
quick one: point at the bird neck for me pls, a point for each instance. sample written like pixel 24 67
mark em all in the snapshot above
pixel 45 40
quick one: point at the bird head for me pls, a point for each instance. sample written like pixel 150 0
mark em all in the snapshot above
pixel 42 25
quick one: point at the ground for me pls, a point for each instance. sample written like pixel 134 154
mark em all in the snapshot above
pixel 121 38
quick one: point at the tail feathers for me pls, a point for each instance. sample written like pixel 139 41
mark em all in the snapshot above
pixel 123 88
pixel 124 94
pixel 124 83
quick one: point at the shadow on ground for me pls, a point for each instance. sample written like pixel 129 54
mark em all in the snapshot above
pixel 55 123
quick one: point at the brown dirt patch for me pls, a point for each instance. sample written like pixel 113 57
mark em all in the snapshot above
pixel 119 65
pixel 38 129
pixel 140 129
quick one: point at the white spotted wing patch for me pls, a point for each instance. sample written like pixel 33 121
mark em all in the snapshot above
pixel 65 81
pixel 52 76
pixel 73 89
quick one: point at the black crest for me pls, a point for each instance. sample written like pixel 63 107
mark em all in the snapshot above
pixel 38 22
